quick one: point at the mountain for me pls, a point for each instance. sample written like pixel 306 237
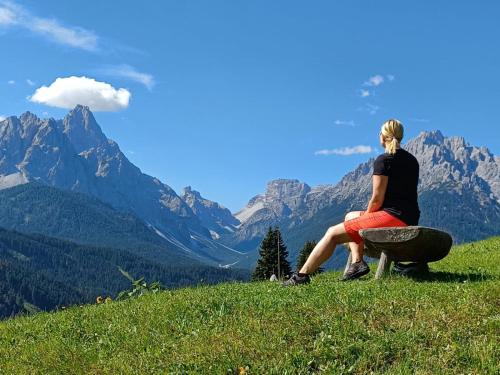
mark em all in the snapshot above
pixel 74 154
pixel 217 218
pixel 37 208
pixel 40 272
pixel 458 192
pixel 283 199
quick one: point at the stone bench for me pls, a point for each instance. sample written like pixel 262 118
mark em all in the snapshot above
pixel 404 244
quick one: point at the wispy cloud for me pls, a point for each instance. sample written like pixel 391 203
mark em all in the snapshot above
pixel 345 122
pixel 7 16
pixel 69 91
pixel 129 72
pixel 11 82
pixel 30 82
pixel 364 93
pixel 373 82
pixel 376 80
pixel 15 15
pixel 346 151
pixel 370 108
pixel 424 120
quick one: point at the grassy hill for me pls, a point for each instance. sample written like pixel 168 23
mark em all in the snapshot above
pixel 448 322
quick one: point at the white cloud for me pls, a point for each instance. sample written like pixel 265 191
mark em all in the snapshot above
pixel 7 17
pixel 390 77
pixel 74 36
pixel 346 151
pixel 364 93
pixel 11 82
pixel 30 82
pixel 2 117
pixel 344 122
pixel 70 91
pixel 129 72
pixel 12 14
pixel 375 80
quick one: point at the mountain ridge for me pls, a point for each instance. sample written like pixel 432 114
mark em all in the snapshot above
pixel 73 153
pixel 447 164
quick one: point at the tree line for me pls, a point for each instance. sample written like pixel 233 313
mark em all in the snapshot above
pixel 273 257
pixel 48 273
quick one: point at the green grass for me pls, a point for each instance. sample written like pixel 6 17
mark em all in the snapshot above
pixel 448 323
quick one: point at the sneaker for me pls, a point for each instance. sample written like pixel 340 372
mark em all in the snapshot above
pixel 295 279
pixel 356 270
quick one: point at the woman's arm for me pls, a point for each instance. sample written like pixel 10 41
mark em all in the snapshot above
pixel 379 183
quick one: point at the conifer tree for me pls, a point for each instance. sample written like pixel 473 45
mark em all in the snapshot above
pixel 268 261
pixel 304 254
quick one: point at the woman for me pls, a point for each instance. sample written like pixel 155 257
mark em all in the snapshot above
pixel 393 204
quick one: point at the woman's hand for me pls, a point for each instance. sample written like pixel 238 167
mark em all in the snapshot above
pixel 379 183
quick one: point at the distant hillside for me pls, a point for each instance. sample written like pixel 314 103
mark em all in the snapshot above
pixel 37 208
pixel 445 323
pixel 48 272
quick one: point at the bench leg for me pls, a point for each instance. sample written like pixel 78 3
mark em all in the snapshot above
pixel 384 265
pixel 349 260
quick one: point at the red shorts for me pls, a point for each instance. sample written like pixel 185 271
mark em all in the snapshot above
pixel 377 219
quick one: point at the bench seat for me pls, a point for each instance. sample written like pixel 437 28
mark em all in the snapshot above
pixel 404 244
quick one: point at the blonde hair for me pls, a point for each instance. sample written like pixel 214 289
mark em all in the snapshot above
pixel 392 130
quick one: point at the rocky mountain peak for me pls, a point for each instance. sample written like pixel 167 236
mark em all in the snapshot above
pixel 28 117
pixel 282 197
pixel 82 129
pixel 9 124
pixel 186 191
pixel 432 137
pixel 457 142
pixel 286 188
pixel 453 159
pixel 217 218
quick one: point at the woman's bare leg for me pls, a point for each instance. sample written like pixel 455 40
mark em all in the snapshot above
pixel 323 250
pixel 356 249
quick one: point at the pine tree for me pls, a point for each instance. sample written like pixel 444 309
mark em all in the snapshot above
pixel 304 254
pixel 268 261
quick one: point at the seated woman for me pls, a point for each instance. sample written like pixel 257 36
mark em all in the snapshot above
pixel 393 203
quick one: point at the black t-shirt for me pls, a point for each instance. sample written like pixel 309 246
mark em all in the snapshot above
pixel 401 195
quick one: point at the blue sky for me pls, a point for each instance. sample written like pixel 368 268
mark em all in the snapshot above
pixel 227 95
